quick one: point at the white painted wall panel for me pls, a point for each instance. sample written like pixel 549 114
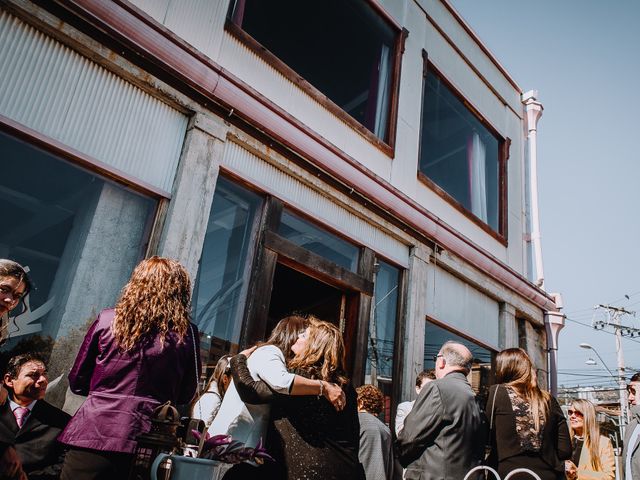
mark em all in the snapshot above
pixel 59 93
pixel 199 22
pixel 294 192
pixel 471 50
pixel 157 9
pixel 451 301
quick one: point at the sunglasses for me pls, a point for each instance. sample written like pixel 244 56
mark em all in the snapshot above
pixel 575 412
pixel 631 390
pixel 435 357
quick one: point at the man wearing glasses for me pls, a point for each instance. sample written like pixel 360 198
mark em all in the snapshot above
pixel 444 435
pixel 631 453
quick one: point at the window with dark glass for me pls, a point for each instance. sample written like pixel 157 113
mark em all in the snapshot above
pixel 220 289
pixel 319 241
pixel 435 336
pixel 459 153
pixel 344 48
pixel 79 235
pixel 382 329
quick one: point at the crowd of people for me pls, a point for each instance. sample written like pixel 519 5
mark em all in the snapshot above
pixel 291 392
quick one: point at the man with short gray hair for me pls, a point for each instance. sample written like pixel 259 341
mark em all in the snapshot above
pixel 444 435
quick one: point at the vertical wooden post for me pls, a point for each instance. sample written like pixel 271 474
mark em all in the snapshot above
pixel 366 269
pixel 261 283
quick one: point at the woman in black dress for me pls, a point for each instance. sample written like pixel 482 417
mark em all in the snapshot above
pixel 307 437
pixel 529 429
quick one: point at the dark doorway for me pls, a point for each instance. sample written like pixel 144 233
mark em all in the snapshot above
pixel 295 292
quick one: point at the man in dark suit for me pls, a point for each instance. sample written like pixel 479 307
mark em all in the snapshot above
pixel 444 435
pixel 27 421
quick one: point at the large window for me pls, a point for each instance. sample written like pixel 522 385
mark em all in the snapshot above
pixel 221 285
pixel 480 377
pixel 317 240
pixel 343 48
pixel 79 235
pixel 382 330
pixel 459 153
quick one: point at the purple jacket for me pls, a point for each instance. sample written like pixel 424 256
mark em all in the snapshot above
pixel 124 388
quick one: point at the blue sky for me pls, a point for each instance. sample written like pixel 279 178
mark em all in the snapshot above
pixel 583 56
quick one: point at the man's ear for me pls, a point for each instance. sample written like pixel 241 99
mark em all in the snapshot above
pixel 8 381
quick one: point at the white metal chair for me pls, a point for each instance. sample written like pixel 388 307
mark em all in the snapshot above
pixel 495 474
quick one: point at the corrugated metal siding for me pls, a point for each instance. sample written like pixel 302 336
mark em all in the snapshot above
pixel 199 22
pixel 459 305
pixel 157 9
pixel 63 95
pixel 296 193
pixel 246 65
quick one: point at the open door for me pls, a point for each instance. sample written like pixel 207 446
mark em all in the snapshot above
pixel 288 278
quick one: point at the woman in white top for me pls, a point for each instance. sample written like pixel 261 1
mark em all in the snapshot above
pixel 248 422
pixel 208 403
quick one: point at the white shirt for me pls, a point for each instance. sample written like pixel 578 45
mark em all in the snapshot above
pixel 633 440
pixel 248 423
pixel 207 406
pixel 401 413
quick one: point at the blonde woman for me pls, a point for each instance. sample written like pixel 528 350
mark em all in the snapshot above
pixel 528 427
pixel 592 457
pixel 133 358
pixel 307 436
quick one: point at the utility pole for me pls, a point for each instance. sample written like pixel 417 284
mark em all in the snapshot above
pixel 614 315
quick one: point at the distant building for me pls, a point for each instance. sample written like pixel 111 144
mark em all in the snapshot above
pixel 361 160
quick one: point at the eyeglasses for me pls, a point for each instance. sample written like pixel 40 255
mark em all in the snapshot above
pixel 435 357
pixel 575 412
pixel 631 390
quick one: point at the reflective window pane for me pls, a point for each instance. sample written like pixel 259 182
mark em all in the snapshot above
pixel 319 241
pixel 436 336
pixel 220 289
pixel 382 331
pixel 351 62
pixel 458 152
pixel 79 235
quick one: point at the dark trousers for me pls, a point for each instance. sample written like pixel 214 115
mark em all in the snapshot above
pixel 84 464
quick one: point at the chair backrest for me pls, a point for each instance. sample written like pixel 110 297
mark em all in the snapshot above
pixel 497 476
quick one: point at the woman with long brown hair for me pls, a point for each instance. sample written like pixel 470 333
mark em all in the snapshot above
pixel 133 358
pixel 307 436
pixel 528 428
pixel 247 421
pixel 593 457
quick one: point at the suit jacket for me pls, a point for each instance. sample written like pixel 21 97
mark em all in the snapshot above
pixel 607 459
pixel 556 442
pixel 35 442
pixel 376 449
pixel 635 449
pixel 444 434
pixel 123 388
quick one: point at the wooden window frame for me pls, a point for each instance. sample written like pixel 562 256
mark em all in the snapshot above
pixel 233 25
pixel 504 147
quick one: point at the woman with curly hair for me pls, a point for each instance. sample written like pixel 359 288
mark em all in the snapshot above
pixel 133 358
pixel 376 444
